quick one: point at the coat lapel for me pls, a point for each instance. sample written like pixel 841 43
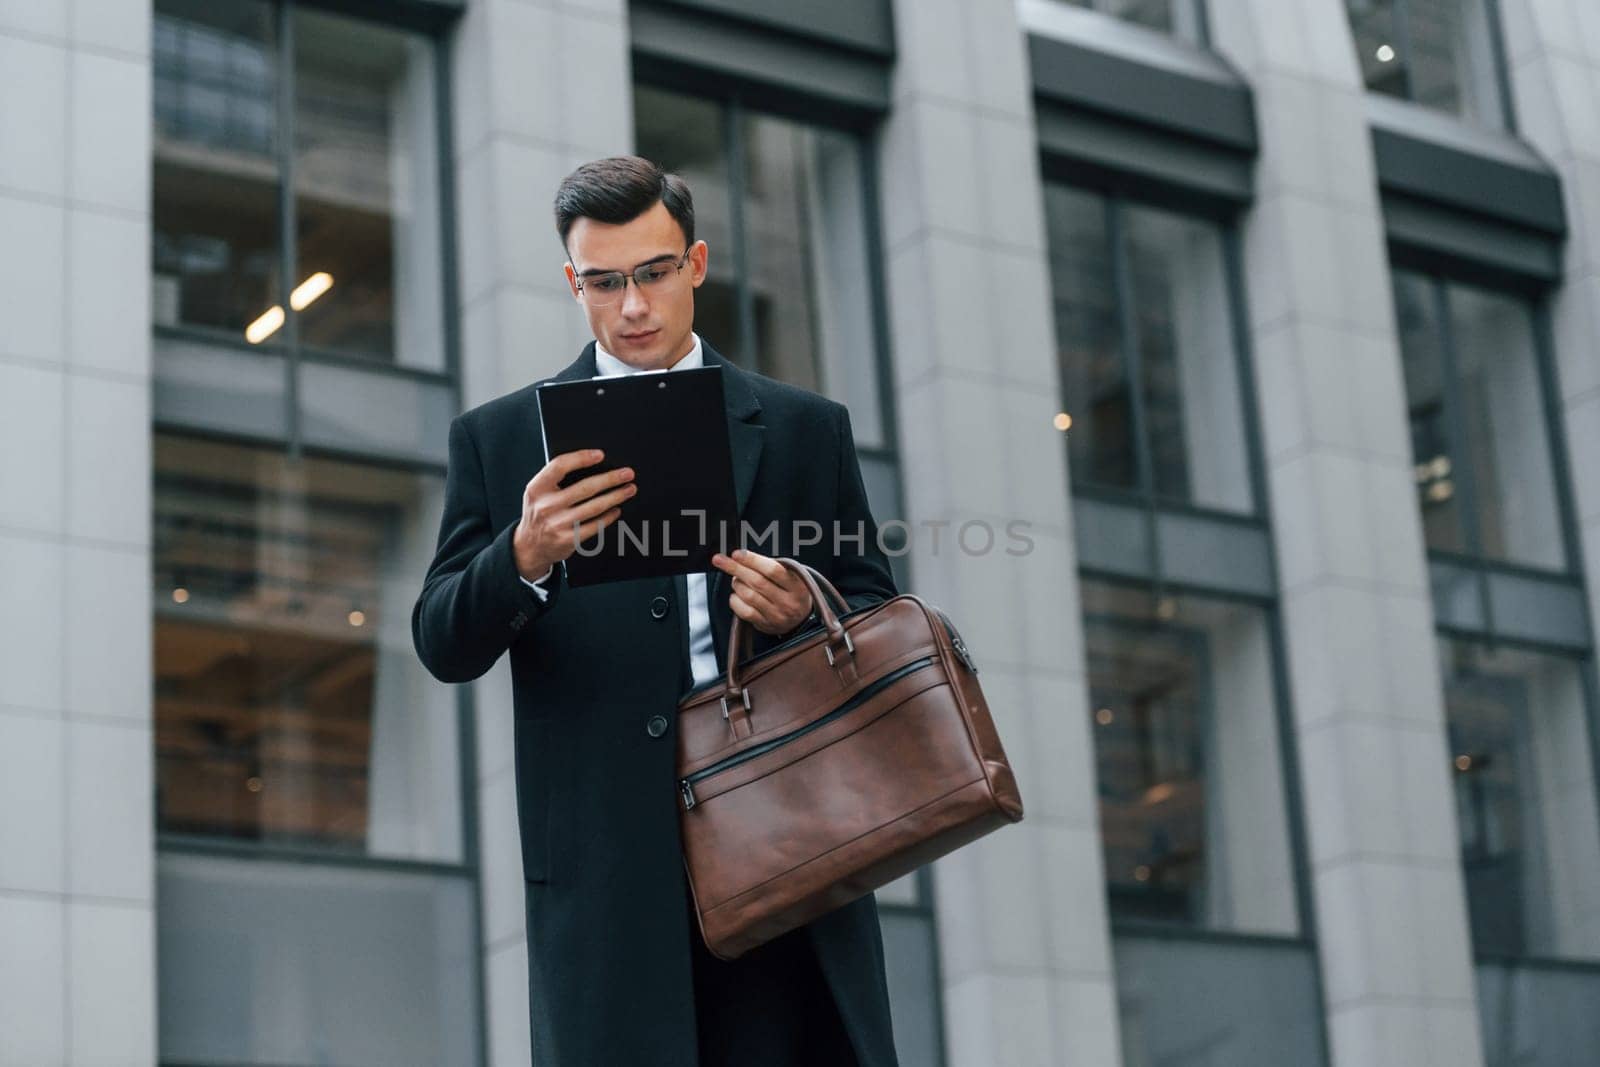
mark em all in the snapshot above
pixel 745 434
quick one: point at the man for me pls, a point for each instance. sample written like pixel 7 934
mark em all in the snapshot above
pixel 618 972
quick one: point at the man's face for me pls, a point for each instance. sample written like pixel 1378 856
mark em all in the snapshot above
pixel 647 328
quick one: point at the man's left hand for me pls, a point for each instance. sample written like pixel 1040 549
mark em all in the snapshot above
pixel 766 594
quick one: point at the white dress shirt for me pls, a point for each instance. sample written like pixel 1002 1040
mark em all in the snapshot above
pixel 702 660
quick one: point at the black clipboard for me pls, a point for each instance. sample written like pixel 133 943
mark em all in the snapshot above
pixel 671 427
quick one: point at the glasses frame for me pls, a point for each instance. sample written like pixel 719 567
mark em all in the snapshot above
pixel 582 281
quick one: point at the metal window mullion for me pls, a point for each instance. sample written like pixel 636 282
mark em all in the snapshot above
pixel 1544 356
pixel 744 296
pixel 1461 461
pixel 1133 375
pixel 1402 38
pixel 1202 21
pixel 1244 376
pixel 287 244
pixel 446 208
pixel 1494 16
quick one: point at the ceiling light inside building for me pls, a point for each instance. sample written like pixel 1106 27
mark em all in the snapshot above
pixel 1385 54
pixel 265 326
pixel 310 289
pixel 271 320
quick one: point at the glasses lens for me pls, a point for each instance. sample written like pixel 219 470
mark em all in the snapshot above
pixel 600 290
pixel 652 273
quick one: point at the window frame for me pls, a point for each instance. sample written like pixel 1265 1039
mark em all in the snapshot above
pixel 1306 938
pixel 431 20
pixel 1472 559
pixel 1151 509
pixel 287 348
pixel 1484 571
pixel 1143 499
pixel 1497 52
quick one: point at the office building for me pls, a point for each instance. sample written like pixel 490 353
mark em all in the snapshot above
pixel 1277 322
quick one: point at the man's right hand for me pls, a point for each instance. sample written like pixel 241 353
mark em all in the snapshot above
pixel 545 536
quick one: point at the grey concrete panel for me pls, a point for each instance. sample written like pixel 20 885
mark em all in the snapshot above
pixel 774 71
pixel 1217 109
pixel 860 25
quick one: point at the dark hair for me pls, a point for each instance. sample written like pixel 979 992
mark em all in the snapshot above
pixel 620 189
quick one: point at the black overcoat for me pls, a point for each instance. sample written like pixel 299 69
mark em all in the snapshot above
pixel 609 956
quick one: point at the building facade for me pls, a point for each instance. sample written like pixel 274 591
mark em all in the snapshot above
pixel 1275 323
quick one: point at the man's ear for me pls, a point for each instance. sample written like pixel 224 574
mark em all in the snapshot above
pixel 699 256
pixel 572 279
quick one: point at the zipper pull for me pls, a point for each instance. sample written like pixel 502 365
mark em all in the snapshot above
pixel 687 792
pixel 961 650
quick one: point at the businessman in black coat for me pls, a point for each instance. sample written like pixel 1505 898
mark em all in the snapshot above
pixel 618 972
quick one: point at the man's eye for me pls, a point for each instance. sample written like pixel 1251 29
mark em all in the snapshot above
pixel 654 274
pixel 607 283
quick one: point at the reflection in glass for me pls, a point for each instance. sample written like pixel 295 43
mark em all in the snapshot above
pixel 215 235
pixel 1432 447
pixel 687 136
pixel 1094 374
pixel 1188 763
pixel 1178 17
pixel 290 708
pixel 1439 53
pixel 1503 465
pixel 1379 48
pixel 1538 1015
pixel 800 266
pixel 805 229
pixel 1503 409
pixel 1525 800
pixel 1187 356
pixel 1191 415
pixel 366 192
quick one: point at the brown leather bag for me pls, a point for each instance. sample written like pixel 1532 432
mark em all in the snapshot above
pixel 831 765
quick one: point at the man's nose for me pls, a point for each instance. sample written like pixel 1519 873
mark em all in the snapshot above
pixel 633 302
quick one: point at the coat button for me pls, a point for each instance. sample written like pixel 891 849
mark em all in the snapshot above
pixel 658 608
pixel 656 726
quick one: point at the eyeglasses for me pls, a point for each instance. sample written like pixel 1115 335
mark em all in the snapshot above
pixel 603 290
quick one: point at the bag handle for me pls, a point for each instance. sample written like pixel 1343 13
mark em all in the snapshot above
pixel 735 698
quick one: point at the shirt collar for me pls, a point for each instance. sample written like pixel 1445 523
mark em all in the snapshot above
pixel 609 366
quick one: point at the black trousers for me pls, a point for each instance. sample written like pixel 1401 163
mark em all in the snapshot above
pixel 770 1007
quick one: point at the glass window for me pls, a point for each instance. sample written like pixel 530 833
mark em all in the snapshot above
pixel 364 158
pixel 688 136
pixel 366 166
pixel 1147 352
pixel 1439 53
pixel 1525 800
pixel 290 709
pixel 1479 422
pixel 1183 18
pixel 782 207
pixel 1188 763
pixel 1538 1015
pixel 216 242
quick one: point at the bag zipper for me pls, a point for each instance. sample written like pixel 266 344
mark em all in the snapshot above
pixel 686 785
pixel 956 642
